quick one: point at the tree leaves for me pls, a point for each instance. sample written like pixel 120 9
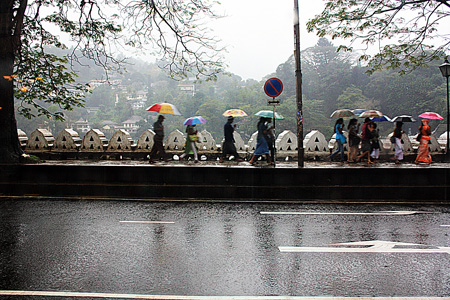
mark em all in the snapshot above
pixel 407 32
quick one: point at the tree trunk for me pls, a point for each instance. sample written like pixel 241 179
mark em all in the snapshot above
pixel 10 151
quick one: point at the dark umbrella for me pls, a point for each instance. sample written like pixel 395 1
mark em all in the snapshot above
pixel 403 118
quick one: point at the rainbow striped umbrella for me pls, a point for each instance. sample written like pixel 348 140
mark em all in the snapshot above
pixel 165 108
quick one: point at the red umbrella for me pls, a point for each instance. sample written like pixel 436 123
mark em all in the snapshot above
pixel 431 116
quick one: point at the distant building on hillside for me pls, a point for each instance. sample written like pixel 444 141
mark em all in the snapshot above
pixel 131 125
pixel 138 101
pixel 82 126
pixel 92 109
pixel 187 86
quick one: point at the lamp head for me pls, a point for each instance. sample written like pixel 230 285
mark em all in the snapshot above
pixel 445 68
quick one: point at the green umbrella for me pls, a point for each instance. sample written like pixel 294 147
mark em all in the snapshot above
pixel 269 114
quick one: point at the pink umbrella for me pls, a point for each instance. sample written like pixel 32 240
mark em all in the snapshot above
pixel 431 116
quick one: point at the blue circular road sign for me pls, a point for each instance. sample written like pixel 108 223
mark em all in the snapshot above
pixel 273 87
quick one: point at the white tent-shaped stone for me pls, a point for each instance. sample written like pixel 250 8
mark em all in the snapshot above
pixel 252 142
pixel 315 141
pixel 145 142
pixel 286 141
pixel 175 141
pixel 238 142
pixel 40 139
pixel 67 140
pixel 23 138
pixel 207 141
pixel 94 140
pixel 120 141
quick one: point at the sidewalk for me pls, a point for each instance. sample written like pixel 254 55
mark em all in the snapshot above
pixel 233 164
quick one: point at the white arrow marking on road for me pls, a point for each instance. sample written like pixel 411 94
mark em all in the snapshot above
pixel 377 213
pixel 180 297
pixel 147 222
pixel 374 247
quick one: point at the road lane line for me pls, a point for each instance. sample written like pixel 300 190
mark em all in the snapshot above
pixel 180 297
pixel 371 247
pixel 379 213
pixel 147 222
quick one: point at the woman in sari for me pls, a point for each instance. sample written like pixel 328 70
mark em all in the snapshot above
pixel 424 133
pixel 261 144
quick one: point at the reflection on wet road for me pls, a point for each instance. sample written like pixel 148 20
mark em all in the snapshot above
pixel 205 249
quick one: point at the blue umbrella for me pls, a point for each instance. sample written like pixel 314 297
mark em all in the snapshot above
pixel 194 120
pixel 358 111
pixel 381 119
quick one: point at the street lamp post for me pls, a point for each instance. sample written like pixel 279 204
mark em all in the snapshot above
pixel 445 70
pixel 298 76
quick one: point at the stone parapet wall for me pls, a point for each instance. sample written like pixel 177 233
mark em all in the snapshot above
pixel 95 145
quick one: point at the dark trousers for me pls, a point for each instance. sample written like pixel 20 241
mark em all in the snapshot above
pixel 158 147
pixel 229 148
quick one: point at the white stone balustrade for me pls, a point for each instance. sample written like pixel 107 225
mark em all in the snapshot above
pixel 315 143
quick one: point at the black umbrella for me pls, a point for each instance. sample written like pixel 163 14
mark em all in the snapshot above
pixel 403 118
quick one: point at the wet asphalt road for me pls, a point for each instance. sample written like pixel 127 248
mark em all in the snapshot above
pixel 212 249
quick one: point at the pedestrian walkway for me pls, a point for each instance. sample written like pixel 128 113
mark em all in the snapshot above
pixel 233 164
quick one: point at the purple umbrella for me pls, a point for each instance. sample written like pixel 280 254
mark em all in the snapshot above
pixel 194 120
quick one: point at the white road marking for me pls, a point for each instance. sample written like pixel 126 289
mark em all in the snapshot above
pixel 374 247
pixel 179 297
pixel 147 222
pixel 445 225
pixel 376 213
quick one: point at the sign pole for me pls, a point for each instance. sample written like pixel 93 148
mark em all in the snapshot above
pixel 273 88
pixel 298 76
pixel 273 135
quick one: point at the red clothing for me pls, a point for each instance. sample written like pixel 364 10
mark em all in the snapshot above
pixel 424 152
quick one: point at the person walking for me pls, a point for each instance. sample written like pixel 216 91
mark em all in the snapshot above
pixel 158 147
pixel 270 138
pixel 353 140
pixel 340 139
pixel 375 142
pixel 190 147
pixel 228 146
pixel 365 141
pixel 398 147
pixel 261 144
pixel 424 138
